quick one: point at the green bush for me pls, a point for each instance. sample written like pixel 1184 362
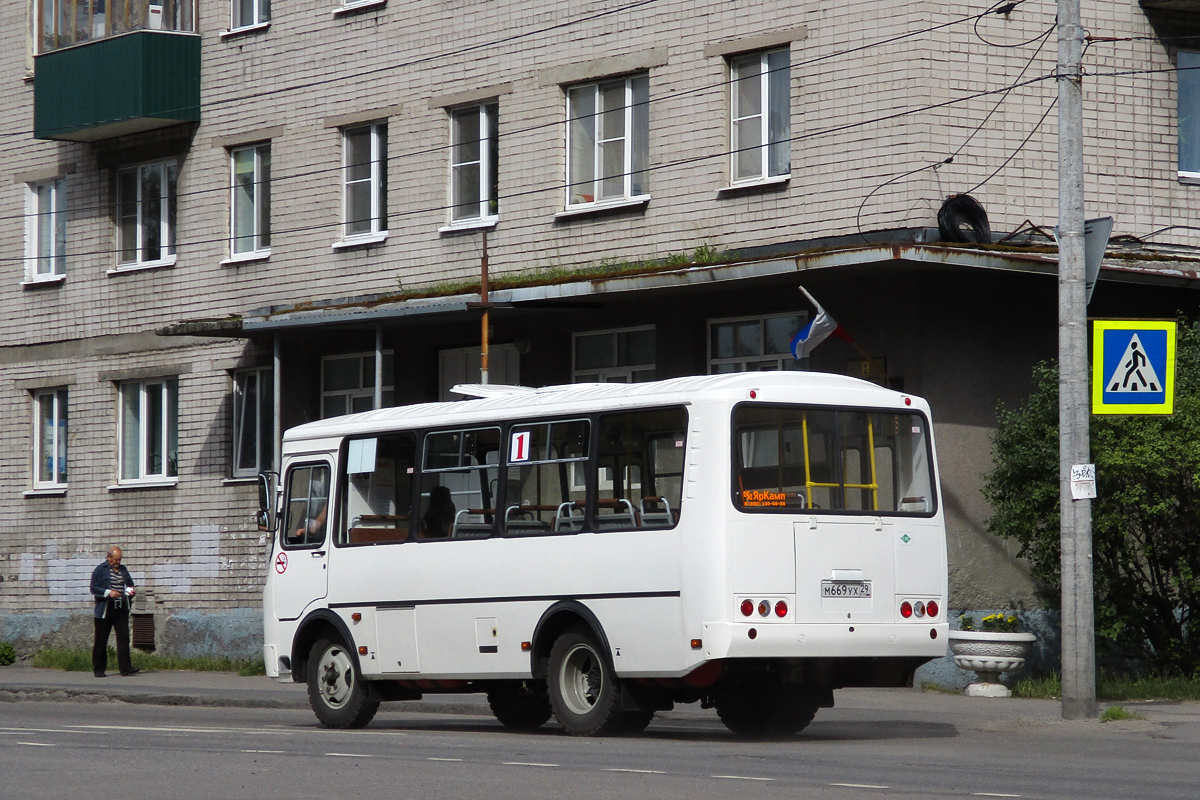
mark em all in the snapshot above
pixel 1146 553
pixel 8 654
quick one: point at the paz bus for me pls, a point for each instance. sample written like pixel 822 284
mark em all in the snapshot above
pixel 600 552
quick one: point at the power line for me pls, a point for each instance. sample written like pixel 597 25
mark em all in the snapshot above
pixel 559 185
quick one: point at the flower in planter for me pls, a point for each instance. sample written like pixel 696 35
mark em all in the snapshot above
pixel 992 623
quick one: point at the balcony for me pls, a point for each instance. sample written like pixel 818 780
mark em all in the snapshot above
pixel 1172 5
pixel 102 74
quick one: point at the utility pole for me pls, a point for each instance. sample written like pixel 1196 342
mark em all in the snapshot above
pixel 483 297
pixel 1078 616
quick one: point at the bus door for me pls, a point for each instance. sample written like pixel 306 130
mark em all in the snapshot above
pixel 300 559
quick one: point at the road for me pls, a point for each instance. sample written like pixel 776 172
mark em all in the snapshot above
pixel 62 750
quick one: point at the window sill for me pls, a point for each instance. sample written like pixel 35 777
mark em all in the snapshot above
pixel 49 280
pixel 233 33
pixel 469 225
pixel 246 258
pixel 143 266
pixel 360 241
pixel 1190 178
pixel 239 481
pixel 596 208
pixel 733 188
pixel 362 5
pixel 150 483
pixel 60 491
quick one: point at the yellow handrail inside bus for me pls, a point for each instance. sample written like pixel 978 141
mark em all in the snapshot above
pixel 809 483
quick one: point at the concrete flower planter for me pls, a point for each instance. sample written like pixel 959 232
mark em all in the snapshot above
pixel 987 655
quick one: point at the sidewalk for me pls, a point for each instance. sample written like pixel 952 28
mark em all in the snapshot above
pixel 183 688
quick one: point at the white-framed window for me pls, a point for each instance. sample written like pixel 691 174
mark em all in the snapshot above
pixel 364 168
pixel 253 421
pixel 608 140
pixel 63 23
pixel 624 355
pixel 248 13
pixel 753 344
pixel 760 115
pixel 50 438
pixel 148 422
pixel 46 230
pixel 348 383
pixel 146 201
pixel 250 200
pixel 1188 122
pixel 474 162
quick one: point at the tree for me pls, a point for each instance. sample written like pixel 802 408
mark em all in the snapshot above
pixel 1145 519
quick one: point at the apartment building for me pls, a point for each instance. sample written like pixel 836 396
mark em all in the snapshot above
pixel 222 218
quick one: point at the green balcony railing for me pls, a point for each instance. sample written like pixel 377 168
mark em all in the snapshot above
pixel 117 85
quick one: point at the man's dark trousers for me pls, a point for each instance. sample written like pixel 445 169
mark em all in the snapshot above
pixel 116 618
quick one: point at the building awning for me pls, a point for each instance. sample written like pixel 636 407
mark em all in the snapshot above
pixel 405 309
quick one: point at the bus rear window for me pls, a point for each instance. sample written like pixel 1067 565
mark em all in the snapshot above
pixel 791 458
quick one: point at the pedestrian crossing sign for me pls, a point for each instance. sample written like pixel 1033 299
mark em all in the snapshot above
pixel 1133 366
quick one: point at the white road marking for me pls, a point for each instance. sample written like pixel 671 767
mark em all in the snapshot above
pixel 264 751
pixel 741 778
pixel 350 755
pixel 37 744
pixel 636 771
pixel 528 764
pixel 860 786
pixel 443 759
pixel 993 794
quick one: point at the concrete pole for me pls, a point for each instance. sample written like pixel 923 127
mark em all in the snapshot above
pixel 1078 620
pixel 483 296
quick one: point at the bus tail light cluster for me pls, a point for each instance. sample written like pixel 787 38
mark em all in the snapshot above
pixel 763 608
pixel 919 609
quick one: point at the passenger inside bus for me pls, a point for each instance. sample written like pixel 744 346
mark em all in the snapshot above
pixel 439 516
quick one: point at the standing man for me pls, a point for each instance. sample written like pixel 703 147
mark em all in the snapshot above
pixel 112 586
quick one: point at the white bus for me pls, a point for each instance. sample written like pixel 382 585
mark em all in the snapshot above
pixel 600 552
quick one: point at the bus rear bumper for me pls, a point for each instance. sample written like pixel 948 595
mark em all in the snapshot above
pixel 849 640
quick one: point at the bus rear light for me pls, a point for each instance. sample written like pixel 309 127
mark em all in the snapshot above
pixel 362 649
pixel 781 609
pixel 357 617
pixel 933 633
pixel 526 647
pixel 764 608
pixel 906 609
pixel 747 608
pixel 752 633
pixel 697 644
pixel 931 608
pixel 919 609
pixel 753 394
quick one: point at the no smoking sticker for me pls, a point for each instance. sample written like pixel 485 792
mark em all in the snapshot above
pixel 281 563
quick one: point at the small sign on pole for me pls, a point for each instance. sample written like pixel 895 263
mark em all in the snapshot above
pixel 1083 482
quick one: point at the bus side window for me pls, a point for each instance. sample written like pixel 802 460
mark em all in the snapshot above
pixel 640 469
pixel 307 505
pixel 378 489
pixel 458 484
pixel 544 460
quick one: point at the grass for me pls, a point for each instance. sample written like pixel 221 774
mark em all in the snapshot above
pixel 1115 687
pixel 81 661
pixel 1114 713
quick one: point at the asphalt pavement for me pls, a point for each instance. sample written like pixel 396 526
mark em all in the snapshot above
pixel 18 683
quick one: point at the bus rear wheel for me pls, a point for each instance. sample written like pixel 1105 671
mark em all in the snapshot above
pixel 517 708
pixel 766 711
pixel 584 691
pixel 335 689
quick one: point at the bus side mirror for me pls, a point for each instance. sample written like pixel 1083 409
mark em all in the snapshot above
pixel 266 501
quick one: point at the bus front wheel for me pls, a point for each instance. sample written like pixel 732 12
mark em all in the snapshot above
pixel 584 691
pixel 335 689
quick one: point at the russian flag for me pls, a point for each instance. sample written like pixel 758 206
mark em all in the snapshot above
pixel 818 329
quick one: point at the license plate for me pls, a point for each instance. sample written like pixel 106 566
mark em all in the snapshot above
pixel 845 588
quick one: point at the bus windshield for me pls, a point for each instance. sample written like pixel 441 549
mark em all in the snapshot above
pixel 831 460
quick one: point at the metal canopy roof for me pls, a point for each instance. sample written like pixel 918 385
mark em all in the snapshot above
pixel 369 311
